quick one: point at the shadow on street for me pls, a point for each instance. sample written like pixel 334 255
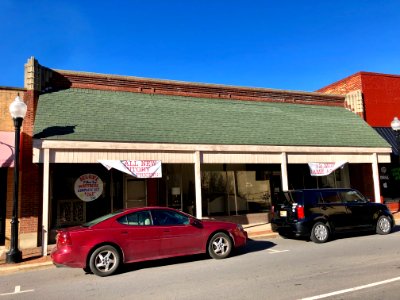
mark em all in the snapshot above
pixel 345 235
pixel 252 246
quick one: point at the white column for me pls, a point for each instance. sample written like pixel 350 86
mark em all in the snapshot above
pixel 284 174
pixel 375 178
pixel 45 210
pixel 197 185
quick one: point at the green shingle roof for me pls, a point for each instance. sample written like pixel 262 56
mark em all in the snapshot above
pixel 95 115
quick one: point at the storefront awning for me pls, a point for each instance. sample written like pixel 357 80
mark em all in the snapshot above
pixel 7 149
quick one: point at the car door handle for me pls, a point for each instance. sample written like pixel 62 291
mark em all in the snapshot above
pixel 167 230
pixel 124 232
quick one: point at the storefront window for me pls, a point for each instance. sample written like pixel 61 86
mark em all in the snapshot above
pixel 79 194
pixel 234 192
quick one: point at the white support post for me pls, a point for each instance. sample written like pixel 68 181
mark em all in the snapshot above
pixel 45 210
pixel 375 178
pixel 284 173
pixel 197 180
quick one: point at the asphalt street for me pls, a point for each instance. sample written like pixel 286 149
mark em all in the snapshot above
pixel 349 267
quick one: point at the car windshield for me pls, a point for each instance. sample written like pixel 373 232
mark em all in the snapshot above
pixel 101 219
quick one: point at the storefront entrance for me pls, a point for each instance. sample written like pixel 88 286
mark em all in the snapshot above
pixel 135 192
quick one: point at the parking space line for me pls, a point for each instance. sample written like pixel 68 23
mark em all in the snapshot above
pixel 271 251
pixel 17 290
pixel 357 288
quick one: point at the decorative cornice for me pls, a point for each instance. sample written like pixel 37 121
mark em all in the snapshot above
pixel 168 87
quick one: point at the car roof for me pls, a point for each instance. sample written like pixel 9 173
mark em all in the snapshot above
pixel 321 189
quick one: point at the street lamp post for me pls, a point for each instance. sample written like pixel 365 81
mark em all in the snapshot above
pixel 395 124
pixel 18 111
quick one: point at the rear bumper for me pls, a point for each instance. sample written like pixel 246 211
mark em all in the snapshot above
pixel 296 229
pixel 62 257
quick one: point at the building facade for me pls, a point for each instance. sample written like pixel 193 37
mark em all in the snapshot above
pixel 224 151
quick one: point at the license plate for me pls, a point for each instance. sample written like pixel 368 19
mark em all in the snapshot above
pixel 283 213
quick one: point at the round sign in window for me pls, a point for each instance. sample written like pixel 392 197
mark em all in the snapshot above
pixel 88 187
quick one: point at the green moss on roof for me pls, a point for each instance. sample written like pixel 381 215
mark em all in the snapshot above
pixel 94 115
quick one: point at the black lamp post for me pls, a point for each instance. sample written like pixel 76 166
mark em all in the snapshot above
pixel 18 111
pixel 395 124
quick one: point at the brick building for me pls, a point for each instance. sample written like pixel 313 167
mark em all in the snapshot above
pixel 376 98
pixel 225 150
pixel 7 147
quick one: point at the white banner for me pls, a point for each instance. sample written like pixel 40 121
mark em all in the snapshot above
pixel 136 168
pixel 323 169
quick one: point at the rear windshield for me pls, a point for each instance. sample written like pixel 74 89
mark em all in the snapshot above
pixel 288 198
pixel 100 219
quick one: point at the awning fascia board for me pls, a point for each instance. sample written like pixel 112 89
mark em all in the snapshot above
pixel 90 152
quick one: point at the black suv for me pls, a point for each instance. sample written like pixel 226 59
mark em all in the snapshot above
pixel 317 213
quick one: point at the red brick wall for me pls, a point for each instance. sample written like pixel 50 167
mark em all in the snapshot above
pixel 381 95
pixel 66 79
pixel 381 98
pixel 344 86
pixel 31 179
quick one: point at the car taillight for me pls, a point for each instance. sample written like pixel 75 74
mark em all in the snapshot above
pixel 300 212
pixel 64 238
pixel 272 211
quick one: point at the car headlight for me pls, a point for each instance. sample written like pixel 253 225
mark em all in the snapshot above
pixel 239 227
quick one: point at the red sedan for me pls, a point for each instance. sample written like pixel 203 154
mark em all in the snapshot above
pixel 139 234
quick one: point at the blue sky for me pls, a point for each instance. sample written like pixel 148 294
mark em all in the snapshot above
pixel 290 45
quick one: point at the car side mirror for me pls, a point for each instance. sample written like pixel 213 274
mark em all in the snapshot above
pixel 195 222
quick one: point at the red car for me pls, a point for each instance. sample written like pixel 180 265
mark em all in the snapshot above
pixel 139 234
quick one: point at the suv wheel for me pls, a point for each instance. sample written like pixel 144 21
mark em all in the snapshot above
pixel 384 225
pixel 319 233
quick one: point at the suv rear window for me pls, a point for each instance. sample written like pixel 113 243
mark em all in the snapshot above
pixel 288 198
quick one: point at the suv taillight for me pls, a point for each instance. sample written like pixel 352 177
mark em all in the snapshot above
pixel 300 212
pixel 64 238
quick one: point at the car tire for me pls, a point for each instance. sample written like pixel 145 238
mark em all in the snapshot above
pixel 319 233
pixel 220 245
pixel 383 225
pixel 104 261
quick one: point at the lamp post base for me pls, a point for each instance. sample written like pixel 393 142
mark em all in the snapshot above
pixel 13 256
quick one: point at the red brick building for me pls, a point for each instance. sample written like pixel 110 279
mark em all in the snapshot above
pixel 376 98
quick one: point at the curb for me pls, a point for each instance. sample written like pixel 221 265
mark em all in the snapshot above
pixel 25 267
